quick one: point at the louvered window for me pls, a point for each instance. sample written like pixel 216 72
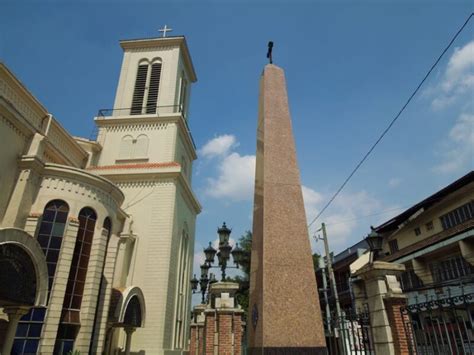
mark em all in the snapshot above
pixel 153 88
pixel 182 95
pixel 139 91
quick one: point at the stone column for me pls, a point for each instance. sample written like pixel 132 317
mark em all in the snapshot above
pixel 382 287
pixel 128 340
pixel 14 314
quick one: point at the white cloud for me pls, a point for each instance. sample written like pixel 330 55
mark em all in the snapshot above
pixel 219 146
pixel 235 180
pixel 394 182
pixel 457 80
pixel 458 149
pixel 347 219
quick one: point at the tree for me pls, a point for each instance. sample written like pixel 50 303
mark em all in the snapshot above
pixel 316 257
pixel 242 295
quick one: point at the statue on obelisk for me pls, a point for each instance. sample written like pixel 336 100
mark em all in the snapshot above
pixel 285 317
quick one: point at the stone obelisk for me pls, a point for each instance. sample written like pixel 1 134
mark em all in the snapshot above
pixel 284 313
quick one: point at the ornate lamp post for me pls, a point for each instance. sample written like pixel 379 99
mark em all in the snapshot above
pixel 375 241
pixel 223 256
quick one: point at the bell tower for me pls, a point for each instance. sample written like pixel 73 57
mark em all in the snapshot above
pixel 147 150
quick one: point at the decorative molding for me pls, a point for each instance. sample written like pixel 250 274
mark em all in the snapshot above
pixel 13 128
pixel 136 127
pixel 11 96
pixel 144 183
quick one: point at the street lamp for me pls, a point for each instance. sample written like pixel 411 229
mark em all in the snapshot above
pixel 375 241
pixel 223 256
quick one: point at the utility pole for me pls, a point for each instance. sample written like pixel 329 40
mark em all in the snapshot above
pixel 332 279
pixel 322 266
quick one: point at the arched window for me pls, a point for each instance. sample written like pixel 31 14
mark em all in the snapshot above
pixel 80 259
pixel 126 144
pixel 182 282
pixel 183 94
pixel 147 85
pixel 50 237
pixel 75 286
pixel 131 148
pixel 140 147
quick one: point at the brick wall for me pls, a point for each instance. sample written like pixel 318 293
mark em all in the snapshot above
pixel 398 323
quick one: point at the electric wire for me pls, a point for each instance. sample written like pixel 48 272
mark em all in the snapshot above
pixel 392 122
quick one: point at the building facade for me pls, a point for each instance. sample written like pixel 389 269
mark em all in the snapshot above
pixel 434 240
pixel 114 216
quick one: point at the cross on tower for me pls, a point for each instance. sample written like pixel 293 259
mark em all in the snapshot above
pixel 164 30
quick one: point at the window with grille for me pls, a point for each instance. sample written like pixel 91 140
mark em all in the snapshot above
pixel 153 88
pixel 145 93
pixel 409 280
pixel 50 236
pixel 451 269
pixel 139 90
pixel 393 245
pixel 458 216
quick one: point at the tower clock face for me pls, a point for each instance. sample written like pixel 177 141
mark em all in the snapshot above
pixel 254 315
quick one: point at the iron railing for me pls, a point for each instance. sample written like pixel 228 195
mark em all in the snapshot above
pixel 349 334
pixel 144 111
pixel 440 326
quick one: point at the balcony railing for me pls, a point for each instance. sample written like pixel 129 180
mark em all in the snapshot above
pixel 147 111
pixel 143 111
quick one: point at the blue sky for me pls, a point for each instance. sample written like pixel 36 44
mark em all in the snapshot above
pixel 349 68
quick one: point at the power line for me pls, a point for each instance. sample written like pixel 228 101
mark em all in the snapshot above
pixel 392 122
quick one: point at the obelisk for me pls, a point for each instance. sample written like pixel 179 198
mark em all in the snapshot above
pixel 284 312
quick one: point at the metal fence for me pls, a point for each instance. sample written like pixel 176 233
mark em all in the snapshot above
pixel 349 334
pixel 440 326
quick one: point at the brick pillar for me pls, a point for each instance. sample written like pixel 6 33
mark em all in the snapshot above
pixel 209 332
pixel 225 333
pixel 238 327
pixel 202 343
pixel 193 344
pixel 400 325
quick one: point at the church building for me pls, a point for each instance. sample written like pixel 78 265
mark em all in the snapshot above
pixel 97 236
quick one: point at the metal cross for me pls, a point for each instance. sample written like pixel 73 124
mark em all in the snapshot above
pixel 164 30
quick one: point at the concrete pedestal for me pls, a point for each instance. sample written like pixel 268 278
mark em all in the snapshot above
pixel 383 295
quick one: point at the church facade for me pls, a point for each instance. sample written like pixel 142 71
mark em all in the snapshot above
pixel 100 233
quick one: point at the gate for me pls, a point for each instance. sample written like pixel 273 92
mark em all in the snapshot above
pixel 349 334
pixel 440 326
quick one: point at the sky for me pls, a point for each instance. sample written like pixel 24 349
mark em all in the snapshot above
pixel 350 66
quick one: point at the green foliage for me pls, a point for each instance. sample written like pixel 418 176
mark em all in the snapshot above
pixel 316 257
pixel 74 352
pixel 242 295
